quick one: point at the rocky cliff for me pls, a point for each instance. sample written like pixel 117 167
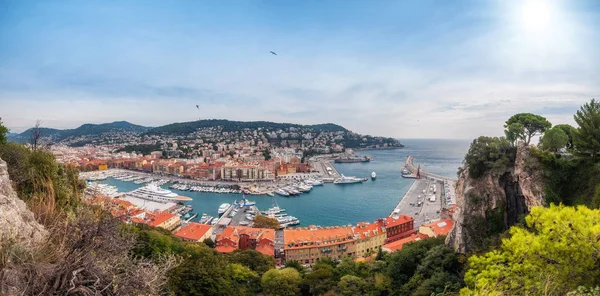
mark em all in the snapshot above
pixel 490 204
pixel 17 223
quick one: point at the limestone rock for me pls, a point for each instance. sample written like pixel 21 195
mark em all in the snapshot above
pixel 17 223
pixel 494 202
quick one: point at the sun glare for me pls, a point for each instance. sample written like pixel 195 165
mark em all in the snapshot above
pixel 536 15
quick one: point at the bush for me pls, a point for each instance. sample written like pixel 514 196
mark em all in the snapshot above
pixel 489 153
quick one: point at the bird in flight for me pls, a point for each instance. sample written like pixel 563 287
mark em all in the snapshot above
pixel 197 107
pixel 273 53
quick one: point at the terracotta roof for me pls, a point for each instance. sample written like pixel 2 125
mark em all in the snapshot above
pixel 321 236
pixel 397 245
pixel 440 227
pixel 267 250
pixel 193 231
pixel 391 222
pixel 372 229
pixel 233 233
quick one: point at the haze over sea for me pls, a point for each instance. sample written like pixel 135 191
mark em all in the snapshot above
pixel 348 204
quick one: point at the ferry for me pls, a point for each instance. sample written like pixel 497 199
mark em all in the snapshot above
pixel 223 208
pixel 154 193
pixel 348 180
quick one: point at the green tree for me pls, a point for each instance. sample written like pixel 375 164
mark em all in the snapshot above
pixel 253 259
pixel 514 132
pixel 296 265
pixel 555 139
pixel 555 254
pixel 570 131
pixel 262 221
pixel 3 132
pixel 284 282
pixel 587 137
pixel 350 285
pixel 487 153
pixel 246 281
pixel 532 125
pixel 321 279
pixel 209 243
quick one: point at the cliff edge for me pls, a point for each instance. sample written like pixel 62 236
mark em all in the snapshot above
pixel 490 204
pixel 17 223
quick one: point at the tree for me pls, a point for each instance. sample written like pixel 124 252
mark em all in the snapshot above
pixel 350 285
pixel 296 265
pixel 555 139
pixel 253 259
pixel 321 279
pixel 570 131
pixel 487 153
pixel 3 132
pixel 556 253
pixel 514 132
pixel 284 282
pixel 246 281
pixel 587 137
pixel 262 221
pixel 36 135
pixel 209 243
pixel 531 125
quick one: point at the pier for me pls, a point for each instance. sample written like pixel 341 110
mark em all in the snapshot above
pixel 425 198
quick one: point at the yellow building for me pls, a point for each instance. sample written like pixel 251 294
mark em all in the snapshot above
pixel 369 237
pixel 102 167
pixel 309 245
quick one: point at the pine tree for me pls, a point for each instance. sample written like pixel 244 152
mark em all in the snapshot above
pixel 587 137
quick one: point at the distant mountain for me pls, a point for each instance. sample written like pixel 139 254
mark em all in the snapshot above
pixel 87 129
pixel 184 128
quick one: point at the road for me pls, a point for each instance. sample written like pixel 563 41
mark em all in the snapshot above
pixel 416 203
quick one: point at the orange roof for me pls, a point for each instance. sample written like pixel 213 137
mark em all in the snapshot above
pixel 397 245
pixel 371 229
pixel 440 227
pixel 234 232
pixel 317 235
pixel 193 231
pixel 159 218
pixel 391 222
pixel 225 249
pixel 267 250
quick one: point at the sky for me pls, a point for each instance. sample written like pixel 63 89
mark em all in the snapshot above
pixel 405 69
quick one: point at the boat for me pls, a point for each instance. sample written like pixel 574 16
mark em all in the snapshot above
pixel 154 193
pixel 348 180
pixel 303 188
pixel 314 182
pixel 190 217
pixel 373 175
pixel 205 219
pixel 270 194
pixel 245 203
pixel 405 172
pixel 223 208
pixel 285 221
pixel 282 192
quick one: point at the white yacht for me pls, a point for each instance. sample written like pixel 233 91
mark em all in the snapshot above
pixel 282 192
pixel 155 193
pixel 223 208
pixel 373 175
pixel 348 180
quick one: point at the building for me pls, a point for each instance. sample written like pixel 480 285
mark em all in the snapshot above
pixel 397 245
pixel 243 238
pixel 164 220
pixel 437 228
pixel 195 232
pixel 308 245
pixel 398 228
pixel 369 237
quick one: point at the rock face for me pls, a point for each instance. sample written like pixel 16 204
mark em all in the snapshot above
pixel 17 223
pixel 493 202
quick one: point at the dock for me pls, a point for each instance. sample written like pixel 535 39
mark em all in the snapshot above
pixel 416 202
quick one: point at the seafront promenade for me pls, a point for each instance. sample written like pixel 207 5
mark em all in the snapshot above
pixel 424 199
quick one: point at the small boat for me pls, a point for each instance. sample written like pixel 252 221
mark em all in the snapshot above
pixel 270 194
pixel 223 208
pixel 282 192
pixel 373 175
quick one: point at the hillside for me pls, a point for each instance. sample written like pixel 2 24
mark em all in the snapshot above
pixel 87 129
pixel 184 128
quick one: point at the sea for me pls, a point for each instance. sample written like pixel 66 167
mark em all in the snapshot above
pixel 333 204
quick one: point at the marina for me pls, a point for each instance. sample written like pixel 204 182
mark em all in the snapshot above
pixel 334 204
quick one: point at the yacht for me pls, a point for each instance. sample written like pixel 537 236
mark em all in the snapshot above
pixel 286 221
pixel 405 171
pixel 348 180
pixel 373 175
pixel 154 193
pixel 314 182
pixel 282 192
pixel 303 188
pixel 223 208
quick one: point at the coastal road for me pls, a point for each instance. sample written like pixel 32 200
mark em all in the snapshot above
pixel 419 192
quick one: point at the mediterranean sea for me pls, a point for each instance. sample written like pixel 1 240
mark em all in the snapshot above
pixel 333 204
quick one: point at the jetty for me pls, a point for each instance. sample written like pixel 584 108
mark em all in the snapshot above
pixel 426 197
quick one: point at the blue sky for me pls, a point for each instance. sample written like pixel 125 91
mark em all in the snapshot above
pixel 425 69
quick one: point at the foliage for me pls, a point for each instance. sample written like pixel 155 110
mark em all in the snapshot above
pixel 183 128
pixel 489 153
pixel 253 259
pixel 84 130
pixel 514 132
pixel 569 131
pixel 530 125
pixel 3 133
pixel 209 243
pixel 321 279
pixel 296 265
pixel 555 254
pixel 282 282
pixel 350 285
pixel 555 139
pixel 587 137
pixel 144 149
pixel 262 221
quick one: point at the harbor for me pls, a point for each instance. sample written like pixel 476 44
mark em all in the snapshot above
pixel 328 204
